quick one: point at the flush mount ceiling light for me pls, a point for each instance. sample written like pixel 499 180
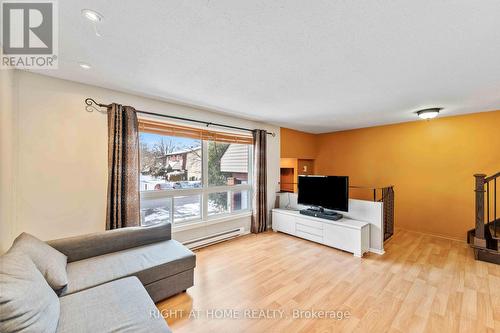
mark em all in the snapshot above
pixel 84 65
pixel 428 113
pixel 92 15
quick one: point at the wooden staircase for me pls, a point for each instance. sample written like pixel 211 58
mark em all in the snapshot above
pixel 494 237
pixel 485 237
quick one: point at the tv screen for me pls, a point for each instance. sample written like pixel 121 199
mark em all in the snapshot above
pixel 330 192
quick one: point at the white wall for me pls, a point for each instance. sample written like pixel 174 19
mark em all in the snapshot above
pixel 60 155
pixel 7 156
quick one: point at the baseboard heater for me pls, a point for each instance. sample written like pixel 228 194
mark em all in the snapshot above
pixel 214 238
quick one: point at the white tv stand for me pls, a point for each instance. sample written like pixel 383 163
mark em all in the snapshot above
pixel 344 234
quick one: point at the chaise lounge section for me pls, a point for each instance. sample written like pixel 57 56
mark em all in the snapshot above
pixel 118 306
pixel 164 266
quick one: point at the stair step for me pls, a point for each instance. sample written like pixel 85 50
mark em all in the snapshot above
pixel 487 255
pixel 492 231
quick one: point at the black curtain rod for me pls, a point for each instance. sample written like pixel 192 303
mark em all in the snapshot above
pixel 90 101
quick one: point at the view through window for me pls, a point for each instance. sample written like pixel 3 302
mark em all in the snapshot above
pixel 186 180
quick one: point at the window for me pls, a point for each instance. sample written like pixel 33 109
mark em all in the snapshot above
pixel 187 208
pixel 155 211
pixel 240 200
pixel 218 203
pixel 190 175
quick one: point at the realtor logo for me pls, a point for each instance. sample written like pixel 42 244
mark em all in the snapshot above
pixel 29 34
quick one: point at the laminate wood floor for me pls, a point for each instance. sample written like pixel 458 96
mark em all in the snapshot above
pixel 422 284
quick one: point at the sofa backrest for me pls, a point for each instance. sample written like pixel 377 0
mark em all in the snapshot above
pixel 96 244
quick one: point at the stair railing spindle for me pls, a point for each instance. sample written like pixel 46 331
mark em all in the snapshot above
pixel 487 203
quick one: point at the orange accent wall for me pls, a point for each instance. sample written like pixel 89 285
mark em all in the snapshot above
pixel 296 144
pixel 431 163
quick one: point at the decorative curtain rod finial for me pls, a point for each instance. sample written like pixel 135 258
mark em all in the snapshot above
pixel 92 105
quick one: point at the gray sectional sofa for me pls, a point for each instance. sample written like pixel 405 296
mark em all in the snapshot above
pixel 110 282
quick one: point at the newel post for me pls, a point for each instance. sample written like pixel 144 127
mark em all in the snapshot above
pixel 479 239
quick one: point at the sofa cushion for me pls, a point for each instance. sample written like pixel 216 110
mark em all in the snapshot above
pixel 149 263
pixel 27 303
pixel 119 306
pixel 50 262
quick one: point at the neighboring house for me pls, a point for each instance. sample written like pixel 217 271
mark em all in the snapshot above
pixel 235 161
pixel 185 164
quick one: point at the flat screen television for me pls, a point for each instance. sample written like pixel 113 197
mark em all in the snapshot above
pixel 329 192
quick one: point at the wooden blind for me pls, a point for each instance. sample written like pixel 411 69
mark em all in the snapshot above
pixel 158 127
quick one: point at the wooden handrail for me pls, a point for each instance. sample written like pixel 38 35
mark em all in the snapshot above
pixel 496 175
pixel 370 187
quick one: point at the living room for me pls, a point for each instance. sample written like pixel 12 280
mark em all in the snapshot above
pixel 259 166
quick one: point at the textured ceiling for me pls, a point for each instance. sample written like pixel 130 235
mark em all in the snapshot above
pixel 316 66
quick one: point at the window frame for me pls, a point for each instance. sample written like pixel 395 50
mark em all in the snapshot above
pixel 206 189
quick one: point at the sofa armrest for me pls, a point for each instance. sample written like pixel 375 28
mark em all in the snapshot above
pixel 96 244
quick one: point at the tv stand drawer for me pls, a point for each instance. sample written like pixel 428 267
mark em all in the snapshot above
pixel 308 229
pixel 308 236
pixel 309 223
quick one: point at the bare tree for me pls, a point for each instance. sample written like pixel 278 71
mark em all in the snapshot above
pixel 163 147
pixel 153 159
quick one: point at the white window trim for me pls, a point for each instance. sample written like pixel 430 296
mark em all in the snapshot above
pixel 205 219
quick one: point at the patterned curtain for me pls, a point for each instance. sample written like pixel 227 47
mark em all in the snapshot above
pixel 123 168
pixel 259 216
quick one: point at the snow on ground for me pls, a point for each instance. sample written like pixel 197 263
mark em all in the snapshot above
pixel 148 183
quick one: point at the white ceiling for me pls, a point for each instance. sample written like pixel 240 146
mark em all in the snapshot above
pixel 317 66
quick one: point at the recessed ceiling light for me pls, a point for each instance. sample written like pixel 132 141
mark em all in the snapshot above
pixel 428 113
pixel 84 65
pixel 92 15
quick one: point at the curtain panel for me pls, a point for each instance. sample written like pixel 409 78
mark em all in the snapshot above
pixel 123 168
pixel 259 216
